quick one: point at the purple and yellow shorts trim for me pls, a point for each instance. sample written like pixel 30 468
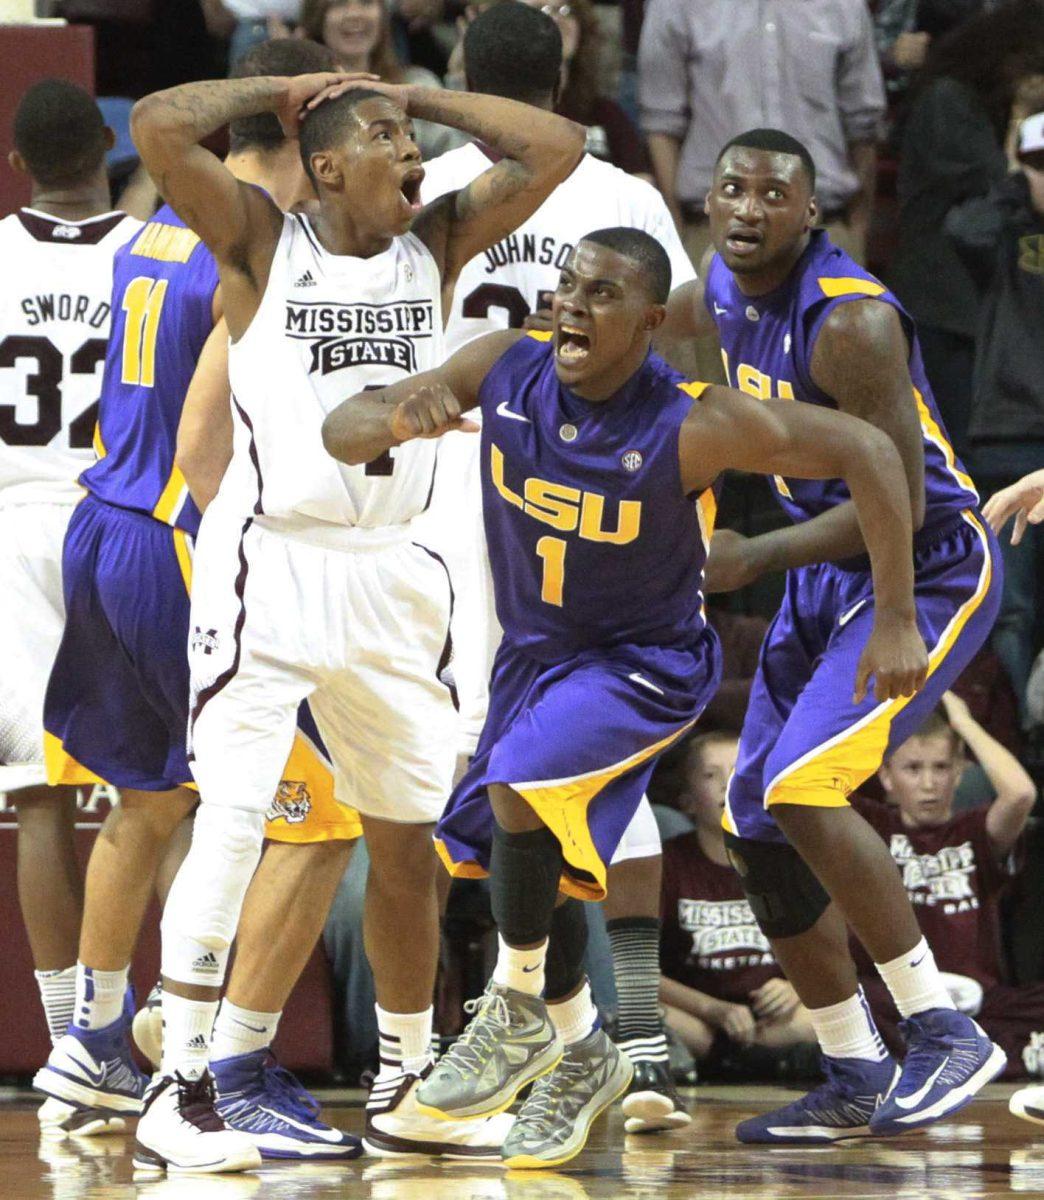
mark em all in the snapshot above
pixel 578 741
pixel 804 741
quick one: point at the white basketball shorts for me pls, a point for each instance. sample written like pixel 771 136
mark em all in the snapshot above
pixel 641 838
pixel 354 620
pixel 32 616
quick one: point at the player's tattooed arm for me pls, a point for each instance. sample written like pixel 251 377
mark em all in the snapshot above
pixel 537 150
pixel 427 405
pixel 727 429
pixel 238 223
pixel 860 360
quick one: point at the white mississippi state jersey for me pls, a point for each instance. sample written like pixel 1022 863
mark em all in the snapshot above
pixel 329 326
pixel 499 288
pixel 55 297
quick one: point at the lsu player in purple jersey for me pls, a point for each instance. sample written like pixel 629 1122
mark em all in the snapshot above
pixel 117 703
pixel 799 320
pixel 600 467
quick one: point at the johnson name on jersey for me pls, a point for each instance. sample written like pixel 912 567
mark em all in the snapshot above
pixel 55 314
pixel 501 287
pixel 329 326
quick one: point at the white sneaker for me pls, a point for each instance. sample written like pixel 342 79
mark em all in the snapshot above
pixel 1028 1103
pixel 59 1119
pixel 147 1027
pixel 396 1126
pixel 180 1130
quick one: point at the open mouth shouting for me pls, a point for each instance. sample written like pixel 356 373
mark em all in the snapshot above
pixel 573 345
pixel 410 188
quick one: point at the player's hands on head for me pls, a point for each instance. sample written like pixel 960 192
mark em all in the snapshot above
pixel 895 658
pixel 731 563
pixel 396 92
pixel 1024 500
pixel 429 412
pixel 305 91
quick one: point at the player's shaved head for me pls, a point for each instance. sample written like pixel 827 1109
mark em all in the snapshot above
pixel 280 56
pixel 60 133
pixel 775 141
pixel 644 251
pixel 332 123
pixel 514 51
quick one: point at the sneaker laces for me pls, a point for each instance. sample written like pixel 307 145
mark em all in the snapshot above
pixel 540 1109
pixel 834 1100
pixel 288 1089
pixel 927 1050
pixel 196 1100
pixel 491 1017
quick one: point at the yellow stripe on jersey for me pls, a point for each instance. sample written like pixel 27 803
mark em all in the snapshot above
pixel 850 287
pixel 173 497
pixel 931 430
pixel 693 388
pixel 183 551
pixel 826 776
pixel 167 243
pixel 540 335
pixel 707 513
pixel 96 441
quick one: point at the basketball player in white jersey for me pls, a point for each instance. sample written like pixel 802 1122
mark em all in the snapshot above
pixel 323 593
pixel 499 289
pixel 54 325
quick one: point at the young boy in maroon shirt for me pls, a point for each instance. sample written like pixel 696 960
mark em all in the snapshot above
pixel 719 981
pixel 955 866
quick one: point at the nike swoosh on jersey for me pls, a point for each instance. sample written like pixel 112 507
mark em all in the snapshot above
pixel 636 678
pixel 718 310
pixel 844 618
pixel 504 411
pixel 909 1102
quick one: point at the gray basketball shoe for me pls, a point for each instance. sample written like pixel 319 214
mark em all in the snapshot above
pixel 554 1122
pixel 509 1042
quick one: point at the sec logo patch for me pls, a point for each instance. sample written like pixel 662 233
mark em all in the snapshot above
pixel 631 461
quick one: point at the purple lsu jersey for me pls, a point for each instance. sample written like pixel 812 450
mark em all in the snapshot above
pixel 767 344
pixel 592 541
pixel 162 314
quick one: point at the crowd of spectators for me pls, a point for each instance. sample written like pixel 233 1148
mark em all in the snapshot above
pixel 926 121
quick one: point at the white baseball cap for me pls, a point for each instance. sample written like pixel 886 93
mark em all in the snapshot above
pixel 1031 135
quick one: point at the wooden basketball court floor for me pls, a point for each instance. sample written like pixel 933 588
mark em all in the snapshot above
pixel 982 1152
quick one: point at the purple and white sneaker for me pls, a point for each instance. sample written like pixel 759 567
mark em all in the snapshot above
pixel 948 1059
pixel 263 1100
pixel 93 1068
pixel 842 1107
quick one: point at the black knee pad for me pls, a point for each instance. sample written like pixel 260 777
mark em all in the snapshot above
pixel 525 869
pixel 564 969
pixel 784 895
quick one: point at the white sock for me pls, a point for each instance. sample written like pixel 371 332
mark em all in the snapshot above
pixel 522 970
pixel 99 996
pixel 187 1026
pixel 242 1031
pixel 847 1030
pixel 405 1041
pixel 576 1018
pixel 58 996
pixel 914 981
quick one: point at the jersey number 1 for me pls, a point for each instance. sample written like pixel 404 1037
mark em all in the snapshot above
pixel 142 302
pixel 552 552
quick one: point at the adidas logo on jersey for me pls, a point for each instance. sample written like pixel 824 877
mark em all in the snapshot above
pixel 206 962
pixel 66 233
pixel 305 280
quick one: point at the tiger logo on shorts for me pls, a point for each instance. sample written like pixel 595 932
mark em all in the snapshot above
pixel 292 802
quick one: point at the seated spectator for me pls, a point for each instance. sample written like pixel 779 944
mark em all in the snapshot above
pixel 359 33
pixel 952 150
pixel 741 637
pixel 954 869
pixel 611 134
pixel 1000 239
pixel 725 996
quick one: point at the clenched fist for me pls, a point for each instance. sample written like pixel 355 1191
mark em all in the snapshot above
pixel 430 412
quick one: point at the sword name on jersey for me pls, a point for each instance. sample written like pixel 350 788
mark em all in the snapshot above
pixel 63 306
pixel 567 509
